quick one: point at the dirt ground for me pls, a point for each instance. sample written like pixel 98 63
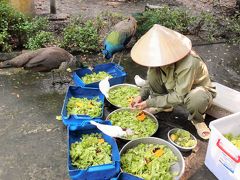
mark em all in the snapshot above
pixel 92 8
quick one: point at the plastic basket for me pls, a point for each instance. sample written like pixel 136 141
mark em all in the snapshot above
pixel 113 69
pixel 101 172
pixel 73 91
pixel 223 158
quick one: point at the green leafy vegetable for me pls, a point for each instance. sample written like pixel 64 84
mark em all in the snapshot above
pixel 91 151
pixel 183 138
pixel 95 77
pixel 149 161
pixel 141 124
pixel 84 106
pixel 122 96
pixel 233 139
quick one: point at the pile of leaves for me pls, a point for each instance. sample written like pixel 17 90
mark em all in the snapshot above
pixel 149 161
pixel 140 123
pixel 91 150
pixel 122 96
pixel 183 138
pixel 95 77
pixel 233 139
pixel 84 106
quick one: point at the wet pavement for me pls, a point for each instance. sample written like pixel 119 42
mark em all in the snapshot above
pixel 34 143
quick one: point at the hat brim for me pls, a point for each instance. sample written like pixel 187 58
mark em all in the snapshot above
pixel 160 46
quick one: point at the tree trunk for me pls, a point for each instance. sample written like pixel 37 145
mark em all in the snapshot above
pixel 52 6
pixel 25 6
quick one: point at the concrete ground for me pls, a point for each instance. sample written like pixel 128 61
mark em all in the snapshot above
pixel 34 143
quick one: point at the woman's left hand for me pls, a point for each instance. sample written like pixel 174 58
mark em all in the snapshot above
pixel 142 105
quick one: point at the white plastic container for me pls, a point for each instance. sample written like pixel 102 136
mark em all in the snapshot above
pixel 223 158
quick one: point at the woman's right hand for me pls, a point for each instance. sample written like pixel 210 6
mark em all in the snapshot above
pixel 135 101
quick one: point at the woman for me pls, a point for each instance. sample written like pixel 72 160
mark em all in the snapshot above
pixel 176 76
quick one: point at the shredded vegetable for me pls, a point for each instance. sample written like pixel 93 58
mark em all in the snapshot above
pixel 122 96
pixel 84 106
pixel 183 138
pixel 140 123
pixel 92 150
pixel 149 161
pixel 233 139
pixel 95 77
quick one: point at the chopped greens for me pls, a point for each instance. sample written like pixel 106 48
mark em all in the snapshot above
pixel 122 96
pixel 92 150
pixel 140 123
pixel 95 77
pixel 149 161
pixel 233 139
pixel 84 106
pixel 183 138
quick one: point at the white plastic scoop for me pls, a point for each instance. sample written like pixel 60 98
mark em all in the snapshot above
pixel 113 131
pixel 104 86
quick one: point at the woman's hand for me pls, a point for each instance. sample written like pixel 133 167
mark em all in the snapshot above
pixel 141 105
pixel 136 100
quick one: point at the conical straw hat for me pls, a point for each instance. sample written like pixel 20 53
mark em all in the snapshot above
pixel 160 46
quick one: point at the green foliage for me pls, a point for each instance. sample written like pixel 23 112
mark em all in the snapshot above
pixel 18 30
pixel 41 39
pixel 10 19
pixel 176 19
pixel 81 37
pixel 33 26
pixel 210 25
pixel 234 28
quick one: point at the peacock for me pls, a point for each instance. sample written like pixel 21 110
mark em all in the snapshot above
pixel 48 59
pixel 119 37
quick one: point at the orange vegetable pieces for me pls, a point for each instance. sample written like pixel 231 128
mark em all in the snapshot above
pixel 101 140
pixel 158 152
pixel 173 137
pixel 79 104
pixel 141 116
pixel 130 99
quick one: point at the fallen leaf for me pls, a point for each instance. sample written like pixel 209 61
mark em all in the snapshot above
pixel 59 118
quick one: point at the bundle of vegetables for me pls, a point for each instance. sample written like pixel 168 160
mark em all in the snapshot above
pixel 84 106
pixel 141 124
pixel 183 138
pixel 95 77
pixel 233 139
pixel 92 150
pixel 149 161
pixel 122 96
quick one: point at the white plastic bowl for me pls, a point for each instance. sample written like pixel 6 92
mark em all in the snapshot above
pixel 181 148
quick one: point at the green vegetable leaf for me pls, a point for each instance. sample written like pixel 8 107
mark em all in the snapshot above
pixel 84 106
pixel 92 150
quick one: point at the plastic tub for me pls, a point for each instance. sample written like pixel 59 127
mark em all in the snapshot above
pixel 223 158
pixel 126 176
pixel 179 166
pixel 113 69
pixel 100 172
pixel 73 91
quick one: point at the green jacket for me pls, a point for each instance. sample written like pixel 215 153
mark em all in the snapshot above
pixel 167 86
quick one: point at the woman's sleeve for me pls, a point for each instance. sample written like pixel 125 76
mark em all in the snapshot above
pixel 145 91
pixel 184 82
